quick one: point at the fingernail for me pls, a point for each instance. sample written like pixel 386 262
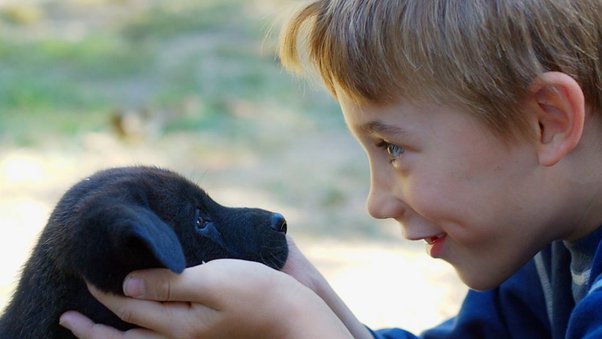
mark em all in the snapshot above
pixel 133 287
pixel 65 319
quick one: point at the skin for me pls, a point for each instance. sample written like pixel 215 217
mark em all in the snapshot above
pixel 204 301
pixel 439 173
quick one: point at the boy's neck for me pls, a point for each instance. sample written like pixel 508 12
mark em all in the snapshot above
pixel 573 186
pixel 584 173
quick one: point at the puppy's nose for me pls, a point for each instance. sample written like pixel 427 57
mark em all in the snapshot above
pixel 278 223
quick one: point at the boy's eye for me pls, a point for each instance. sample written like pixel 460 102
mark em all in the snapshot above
pixel 393 151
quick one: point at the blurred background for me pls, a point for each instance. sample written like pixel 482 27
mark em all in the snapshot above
pixel 195 86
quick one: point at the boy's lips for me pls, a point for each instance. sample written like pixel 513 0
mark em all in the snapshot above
pixel 435 238
pixel 435 244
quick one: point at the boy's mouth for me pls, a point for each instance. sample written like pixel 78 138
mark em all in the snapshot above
pixel 436 244
pixel 434 239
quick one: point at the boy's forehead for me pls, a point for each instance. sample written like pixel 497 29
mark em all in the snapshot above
pixel 405 118
pixel 366 111
pixel 355 113
pixel 352 105
pixel 369 118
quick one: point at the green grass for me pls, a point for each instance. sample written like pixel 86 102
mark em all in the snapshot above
pixel 156 56
pixel 170 19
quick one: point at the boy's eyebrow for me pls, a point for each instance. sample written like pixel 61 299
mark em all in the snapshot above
pixel 379 127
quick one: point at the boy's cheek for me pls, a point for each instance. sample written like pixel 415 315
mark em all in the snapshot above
pixel 430 198
pixel 450 213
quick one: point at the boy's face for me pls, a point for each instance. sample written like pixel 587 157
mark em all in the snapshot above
pixel 477 202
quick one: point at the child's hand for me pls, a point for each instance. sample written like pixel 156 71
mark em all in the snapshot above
pixel 299 267
pixel 220 299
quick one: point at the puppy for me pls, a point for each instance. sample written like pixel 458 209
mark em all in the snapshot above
pixel 125 219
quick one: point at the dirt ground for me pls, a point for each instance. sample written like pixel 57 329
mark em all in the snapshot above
pixel 386 280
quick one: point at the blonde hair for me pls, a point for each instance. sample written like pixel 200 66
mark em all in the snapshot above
pixel 478 54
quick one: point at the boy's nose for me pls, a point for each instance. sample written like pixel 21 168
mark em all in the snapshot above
pixel 383 204
pixel 278 223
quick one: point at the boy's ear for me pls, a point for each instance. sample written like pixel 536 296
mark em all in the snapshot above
pixel 560 115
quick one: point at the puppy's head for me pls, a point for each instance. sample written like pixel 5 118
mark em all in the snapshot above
pixel 125 219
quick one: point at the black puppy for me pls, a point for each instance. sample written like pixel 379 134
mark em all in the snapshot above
pixel 124 219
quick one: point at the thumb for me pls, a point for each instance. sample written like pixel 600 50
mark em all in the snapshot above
pixel 192 285
pixel 152 284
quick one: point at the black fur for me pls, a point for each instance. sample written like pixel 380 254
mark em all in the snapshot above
pixel 125 219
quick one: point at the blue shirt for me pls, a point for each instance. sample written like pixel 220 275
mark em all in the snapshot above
pixel 557 294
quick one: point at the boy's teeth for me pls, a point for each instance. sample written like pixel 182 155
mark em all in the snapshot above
pixel 433 239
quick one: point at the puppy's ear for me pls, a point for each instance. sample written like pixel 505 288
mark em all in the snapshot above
pixel 146 238
pixel 117 239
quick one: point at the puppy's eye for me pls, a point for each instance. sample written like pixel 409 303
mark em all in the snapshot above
pixel 200 222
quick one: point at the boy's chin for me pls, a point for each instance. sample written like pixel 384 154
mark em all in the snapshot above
pixel 482 281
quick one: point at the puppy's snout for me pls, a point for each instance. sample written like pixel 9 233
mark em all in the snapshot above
pixel 278 223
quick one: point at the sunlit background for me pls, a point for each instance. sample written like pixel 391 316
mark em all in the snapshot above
pixel 195 86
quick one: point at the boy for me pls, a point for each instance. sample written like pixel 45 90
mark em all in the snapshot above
pixel 481 121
